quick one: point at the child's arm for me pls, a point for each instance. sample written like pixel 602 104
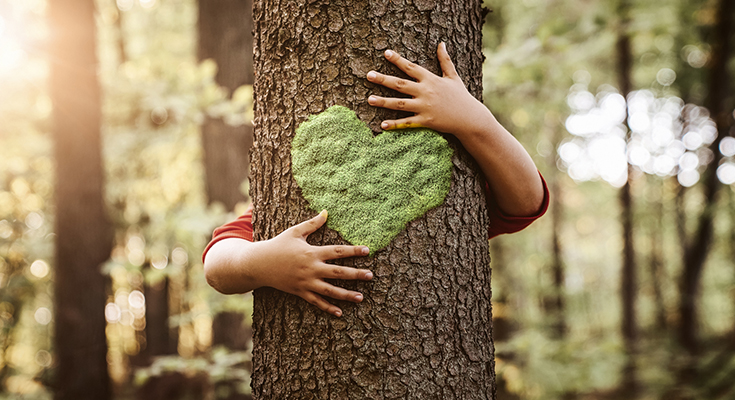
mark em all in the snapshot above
pixel 445 105
pixel 286 262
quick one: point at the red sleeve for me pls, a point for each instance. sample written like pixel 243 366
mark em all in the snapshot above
pixel 241 228
pixel 501 223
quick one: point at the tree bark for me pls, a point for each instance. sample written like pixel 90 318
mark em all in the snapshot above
pixel 424 328
pixel 225 35
pixel 83 231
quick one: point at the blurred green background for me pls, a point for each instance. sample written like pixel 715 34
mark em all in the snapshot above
pixel 552 76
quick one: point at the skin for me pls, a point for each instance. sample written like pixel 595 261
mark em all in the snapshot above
pixel 290 264
pixel 437 102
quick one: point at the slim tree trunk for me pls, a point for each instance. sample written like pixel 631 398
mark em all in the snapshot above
pixel 559 326
pixel 698 247
pixel 628 280
pixel 657 269
pixel 424 328
pixel 225 35
pixel 83 231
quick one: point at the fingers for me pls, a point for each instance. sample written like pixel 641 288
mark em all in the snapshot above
pixel 445 62
pixel 345 273
pixel 334 252
pixel 322 304
pixel 392 82
pixel 414 71
pixel 337 293
pixel 394 103
pixel 308 227
pixel 410 122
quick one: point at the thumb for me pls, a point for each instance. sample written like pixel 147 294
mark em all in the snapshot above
pixel 308 227
pixel 445 62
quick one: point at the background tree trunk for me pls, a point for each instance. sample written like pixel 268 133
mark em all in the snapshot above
pixel 225 35
pixel 424 328
pixel 83 232
pixel 698 246
pixel 628 279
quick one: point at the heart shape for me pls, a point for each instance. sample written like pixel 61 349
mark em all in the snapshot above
pixel 371 186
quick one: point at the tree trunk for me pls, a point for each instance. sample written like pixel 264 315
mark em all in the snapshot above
pixel 424 328
pixel 698 247
pixel 83 231
pixel 225 35
pixel 559 325
pixel 628 279
pixel 656 263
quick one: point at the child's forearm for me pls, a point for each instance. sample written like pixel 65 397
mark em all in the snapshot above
pixel 509 170
pixel 228 266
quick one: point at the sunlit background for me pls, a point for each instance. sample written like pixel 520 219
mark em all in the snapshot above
pixel 550 77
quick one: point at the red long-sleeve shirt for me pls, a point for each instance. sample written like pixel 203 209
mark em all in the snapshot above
pixel 499 223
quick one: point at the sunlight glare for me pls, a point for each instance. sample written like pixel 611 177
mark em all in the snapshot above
pixel 692 140
pixel 726 173
pixel 569 152
pixel 43 315
pixel 638 155
pixel 688 178
pixel 125 5
pixel 147 3
pixel 727 146
pixel 688 161
pixel 666 76
pixel 639 121
pixel 39 268
pixel 112 313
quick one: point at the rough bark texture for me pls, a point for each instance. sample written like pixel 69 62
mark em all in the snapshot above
pixel 83 232
pixel 424 328
pixel 225 35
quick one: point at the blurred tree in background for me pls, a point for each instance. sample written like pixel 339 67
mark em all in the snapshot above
pixel 551 75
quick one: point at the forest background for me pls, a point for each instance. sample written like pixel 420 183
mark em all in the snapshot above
pixel 604 294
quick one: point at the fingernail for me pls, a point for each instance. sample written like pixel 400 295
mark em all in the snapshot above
pixel 444 46
pixel 369 275
pixel 365 250
pixel 371 99
pixel 388 53
pixel 372 75
pixel 338 313
pixel 324 213
pixel 384 125
pixel 358 297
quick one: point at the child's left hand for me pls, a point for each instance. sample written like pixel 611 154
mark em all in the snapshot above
pixel 442 103
pixel 439 103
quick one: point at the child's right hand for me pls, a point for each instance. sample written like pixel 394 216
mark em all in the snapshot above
pixel 300 268
pixel 287 263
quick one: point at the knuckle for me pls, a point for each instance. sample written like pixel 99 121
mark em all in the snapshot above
pixel 339 251
pixel 337 272
pixel 401 83
pixel 328 291
pixel 401 104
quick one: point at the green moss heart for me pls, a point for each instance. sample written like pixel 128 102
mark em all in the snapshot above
pixel 371 186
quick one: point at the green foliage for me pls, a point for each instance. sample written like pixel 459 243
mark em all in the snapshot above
pixel 222 366
pixel 371 187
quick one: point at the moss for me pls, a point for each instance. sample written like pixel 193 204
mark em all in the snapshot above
pixel 371 186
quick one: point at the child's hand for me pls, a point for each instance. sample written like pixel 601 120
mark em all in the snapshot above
pixel 292 265
pixel 439 103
